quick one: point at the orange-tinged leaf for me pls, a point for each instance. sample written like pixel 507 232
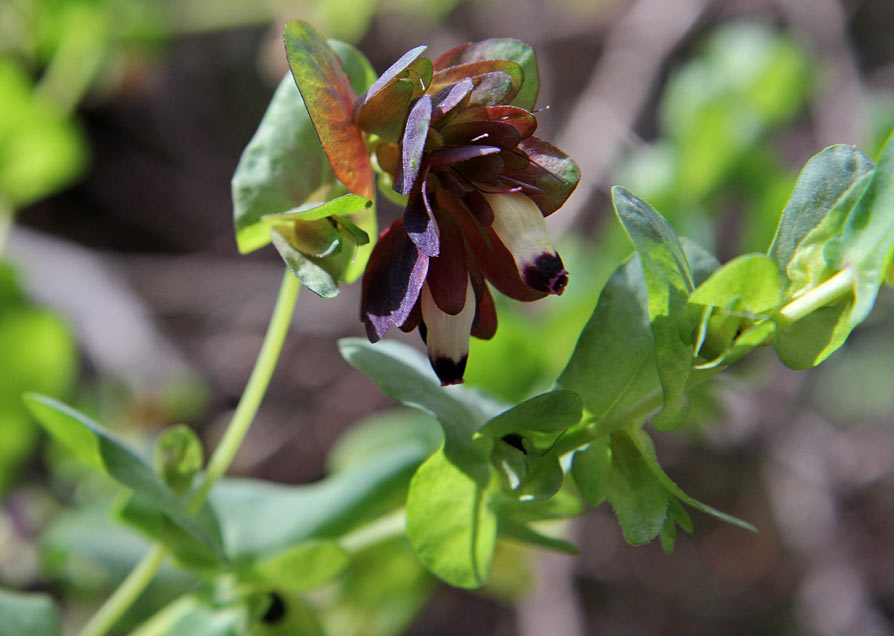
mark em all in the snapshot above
pixel 330 101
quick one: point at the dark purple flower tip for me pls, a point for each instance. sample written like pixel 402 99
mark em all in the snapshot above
pixel 546 273
pixel 449 371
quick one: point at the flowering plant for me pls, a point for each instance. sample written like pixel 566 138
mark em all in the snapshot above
pixel 453 141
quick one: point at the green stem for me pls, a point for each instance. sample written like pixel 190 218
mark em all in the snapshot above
pixel 119 602
pixel 832 289
pixel 254 391
pixel 123 597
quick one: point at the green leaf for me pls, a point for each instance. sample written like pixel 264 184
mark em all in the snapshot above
pixel 38 354
pixel 28 615
pixel 613 363
pixel 669 281
pixel 383 432
pixel 522 533
pixel 260 519
pixel 178 457
pixel 303 567
pixel 867 242
pixel 313 211
pixel 450 523
pixel 102 451
pixel 40 149
pixel 544 477
pixel 736 296
pixel 637 496
pixel 591 468
pixel 192 615
pixel 319 275
pixel 405 375
pixel 551 412
pixel 330 99
pixel 187 551
pixel 502 49
pixel 643 445
pixel 826 179
pixel 281 168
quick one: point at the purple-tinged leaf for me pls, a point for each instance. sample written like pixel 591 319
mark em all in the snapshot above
pixel 481 169
pixel 329 98
pixel 496 81
pixel 492 133
pixel 448 98
pixel 485 324
pixel 551 172
pixel 499 49
pixel 443 158
pixel 383 114
pixel 412 144
pixel 522 120
pixel 393 72
pixel 392 281
pixel 419 222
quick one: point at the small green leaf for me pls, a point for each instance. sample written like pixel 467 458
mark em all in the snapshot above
pixel 669 281
pixel 639 499
pixel 102 451
pixel 450 523
pixel 330 99
pixel 813 338
pixel 178 457
pixel 643 445
pixel 312 272
pixel 314 210
pixel 868 238
pixel 551 412
pixel 303 567
pixel 736 296
pixel 28 615
pixel 825 179
pixel 591 468
pixel 543 479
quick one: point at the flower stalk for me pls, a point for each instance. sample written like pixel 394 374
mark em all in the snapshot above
pixel 143 573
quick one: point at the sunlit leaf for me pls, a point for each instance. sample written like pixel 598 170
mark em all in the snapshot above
pixel 450 523
pixel 669 281
pixel 330 99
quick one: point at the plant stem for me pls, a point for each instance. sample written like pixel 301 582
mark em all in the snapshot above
pixel 123 597
pixel 820 296
pixel 254 390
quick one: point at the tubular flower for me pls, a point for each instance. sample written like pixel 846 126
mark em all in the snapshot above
pixel 457 138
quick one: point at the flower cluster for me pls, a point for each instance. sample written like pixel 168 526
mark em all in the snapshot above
pixel 457 138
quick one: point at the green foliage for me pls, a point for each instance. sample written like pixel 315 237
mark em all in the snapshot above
pixel 28 615
pixel 103 452
pixel 284 182
pixel 38 355
pixel 178 457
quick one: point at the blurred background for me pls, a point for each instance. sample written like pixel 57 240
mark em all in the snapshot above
pixel 121 290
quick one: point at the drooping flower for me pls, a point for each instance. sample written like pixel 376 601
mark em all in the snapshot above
pixel 456 137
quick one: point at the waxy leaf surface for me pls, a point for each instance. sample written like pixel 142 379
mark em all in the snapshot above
pixel 669 281
pixel 330 99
